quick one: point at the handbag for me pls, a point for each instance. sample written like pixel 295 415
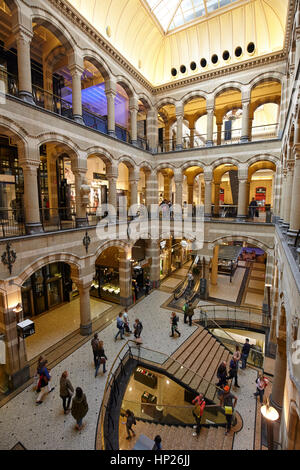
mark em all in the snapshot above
pixel 228 410
pixel 102 360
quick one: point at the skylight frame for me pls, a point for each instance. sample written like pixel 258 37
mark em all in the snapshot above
pixel 154 7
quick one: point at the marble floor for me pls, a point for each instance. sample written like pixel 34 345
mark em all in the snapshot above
pixel 46 427
pixel 58 323
pixel 226 290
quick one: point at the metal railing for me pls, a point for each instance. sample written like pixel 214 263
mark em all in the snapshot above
pixel 257 214
pixel 210 316
pixel 12 223
pixel 146 356
pixel 268 131
pixel 46 100
pixel 57 218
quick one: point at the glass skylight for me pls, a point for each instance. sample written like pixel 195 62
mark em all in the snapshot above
pixel 174 13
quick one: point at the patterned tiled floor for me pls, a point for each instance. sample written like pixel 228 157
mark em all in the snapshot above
pixel 46 427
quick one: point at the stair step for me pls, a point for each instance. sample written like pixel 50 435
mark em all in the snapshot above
pixel 190 363
pixel 179 351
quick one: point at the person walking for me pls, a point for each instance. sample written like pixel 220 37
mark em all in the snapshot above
pixel 44 382
pixel 185 309
pixel 120 326
pixel 261 384
pixel 190 312
pixel 79 408
pixel 126 321
pixel 129 423
pixel 233 370
pixel 147 286
pixel 66 392
pixel 245 353
pixel 95 346
pixel 228 400
pixel 174 323
pixel 157 443
pixel 137 328
pixel 237 354
pixel 101 358
pixel 198 411
pixel 222 375
pixel 38 373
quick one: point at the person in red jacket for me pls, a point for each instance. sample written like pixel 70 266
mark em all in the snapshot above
pixel 198 412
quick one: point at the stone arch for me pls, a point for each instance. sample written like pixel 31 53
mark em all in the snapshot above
pixel 250 240
pixel 223 161
pixel 68 258
pixel 121 80
pixel 50 22
pixel 266 101
pixel 102 153
pixel 194 95
pixel 263 157
pixel 164 102
pixel 145 100
pixel 16 133
pixel 266 77
pixel 189 164
pixel 164 166
pixel 56 54
pixel 128 161
pixel 237 86
pixel 98 62
pixel 125 246
pixel 145 166
pixel 62 143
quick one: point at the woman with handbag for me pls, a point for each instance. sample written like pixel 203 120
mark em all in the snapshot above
pixel 79 408
pixel 66 392
pixel 101 358
pixel 228 400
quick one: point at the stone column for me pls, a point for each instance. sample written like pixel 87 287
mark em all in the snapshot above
pixel 295 200
pixel 153 252
pixel 242 201
pixel 288 192
pixel 179 117
pixel 214 268
pixel 207 200
pixel 76 72
pixel 245 121
pixel 167 137
pixel 277 192
pixel 210 127
pixel 283 194
pixel 152 130
pixel 23 39
pixel 112 190
pixel 217 199
pixel 133 108
pixel 250 128
pixel 80 180
pixel 151 189
pixel 111 125
pixel 297 55
pixel 31 197
pixel 125 281
pixel 190 193
pixel 178 187
pixel 85 307
pixel 279 375
pixel 16 366
pixel 192 137
pixel 134 178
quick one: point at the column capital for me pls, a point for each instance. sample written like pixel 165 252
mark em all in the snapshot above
pixel 29 165
pixel 290 165
pixel 296 151
pixel 22 33
pixel 179 109
pixel 208 175
pixel 210 110
pixel 76 69
pixel 178 175
pixel 133 103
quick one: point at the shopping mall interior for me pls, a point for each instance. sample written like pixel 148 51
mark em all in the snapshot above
pixel 161 111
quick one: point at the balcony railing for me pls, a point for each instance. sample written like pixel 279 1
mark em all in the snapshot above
pixel 265 132
pixel 12 223
pixel 259 214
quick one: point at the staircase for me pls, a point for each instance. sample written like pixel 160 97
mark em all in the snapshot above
pixel 181 438
pixel 195 363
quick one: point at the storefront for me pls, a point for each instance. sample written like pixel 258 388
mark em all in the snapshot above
pixel 106 284
pixel 48 287
pixel 11 183
pixel 228 259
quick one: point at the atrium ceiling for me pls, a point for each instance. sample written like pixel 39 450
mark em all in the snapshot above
pixel 167 40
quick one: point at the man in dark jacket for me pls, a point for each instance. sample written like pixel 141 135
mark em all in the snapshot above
pixel 245 353
pixel 222 374
pixel 95 345
pixel 228 400
pixel 233 371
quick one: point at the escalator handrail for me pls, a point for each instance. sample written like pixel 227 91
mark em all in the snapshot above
pixel 183 285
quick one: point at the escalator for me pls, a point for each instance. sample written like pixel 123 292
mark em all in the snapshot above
pixel 188 292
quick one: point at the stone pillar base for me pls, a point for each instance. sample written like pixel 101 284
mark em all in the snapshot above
pixel 155 284
pixel 27 97
pixel 273 403
pixel 135 143
pixel 178 146
pixel 19 378
pixel 86 330
pixel 209 143
pixel 81 222
pixel 31 229
pixel 244 139
pixel 241 218
pixel 79 119
pixel 291 234
pixel 111 133
pixel 126 301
